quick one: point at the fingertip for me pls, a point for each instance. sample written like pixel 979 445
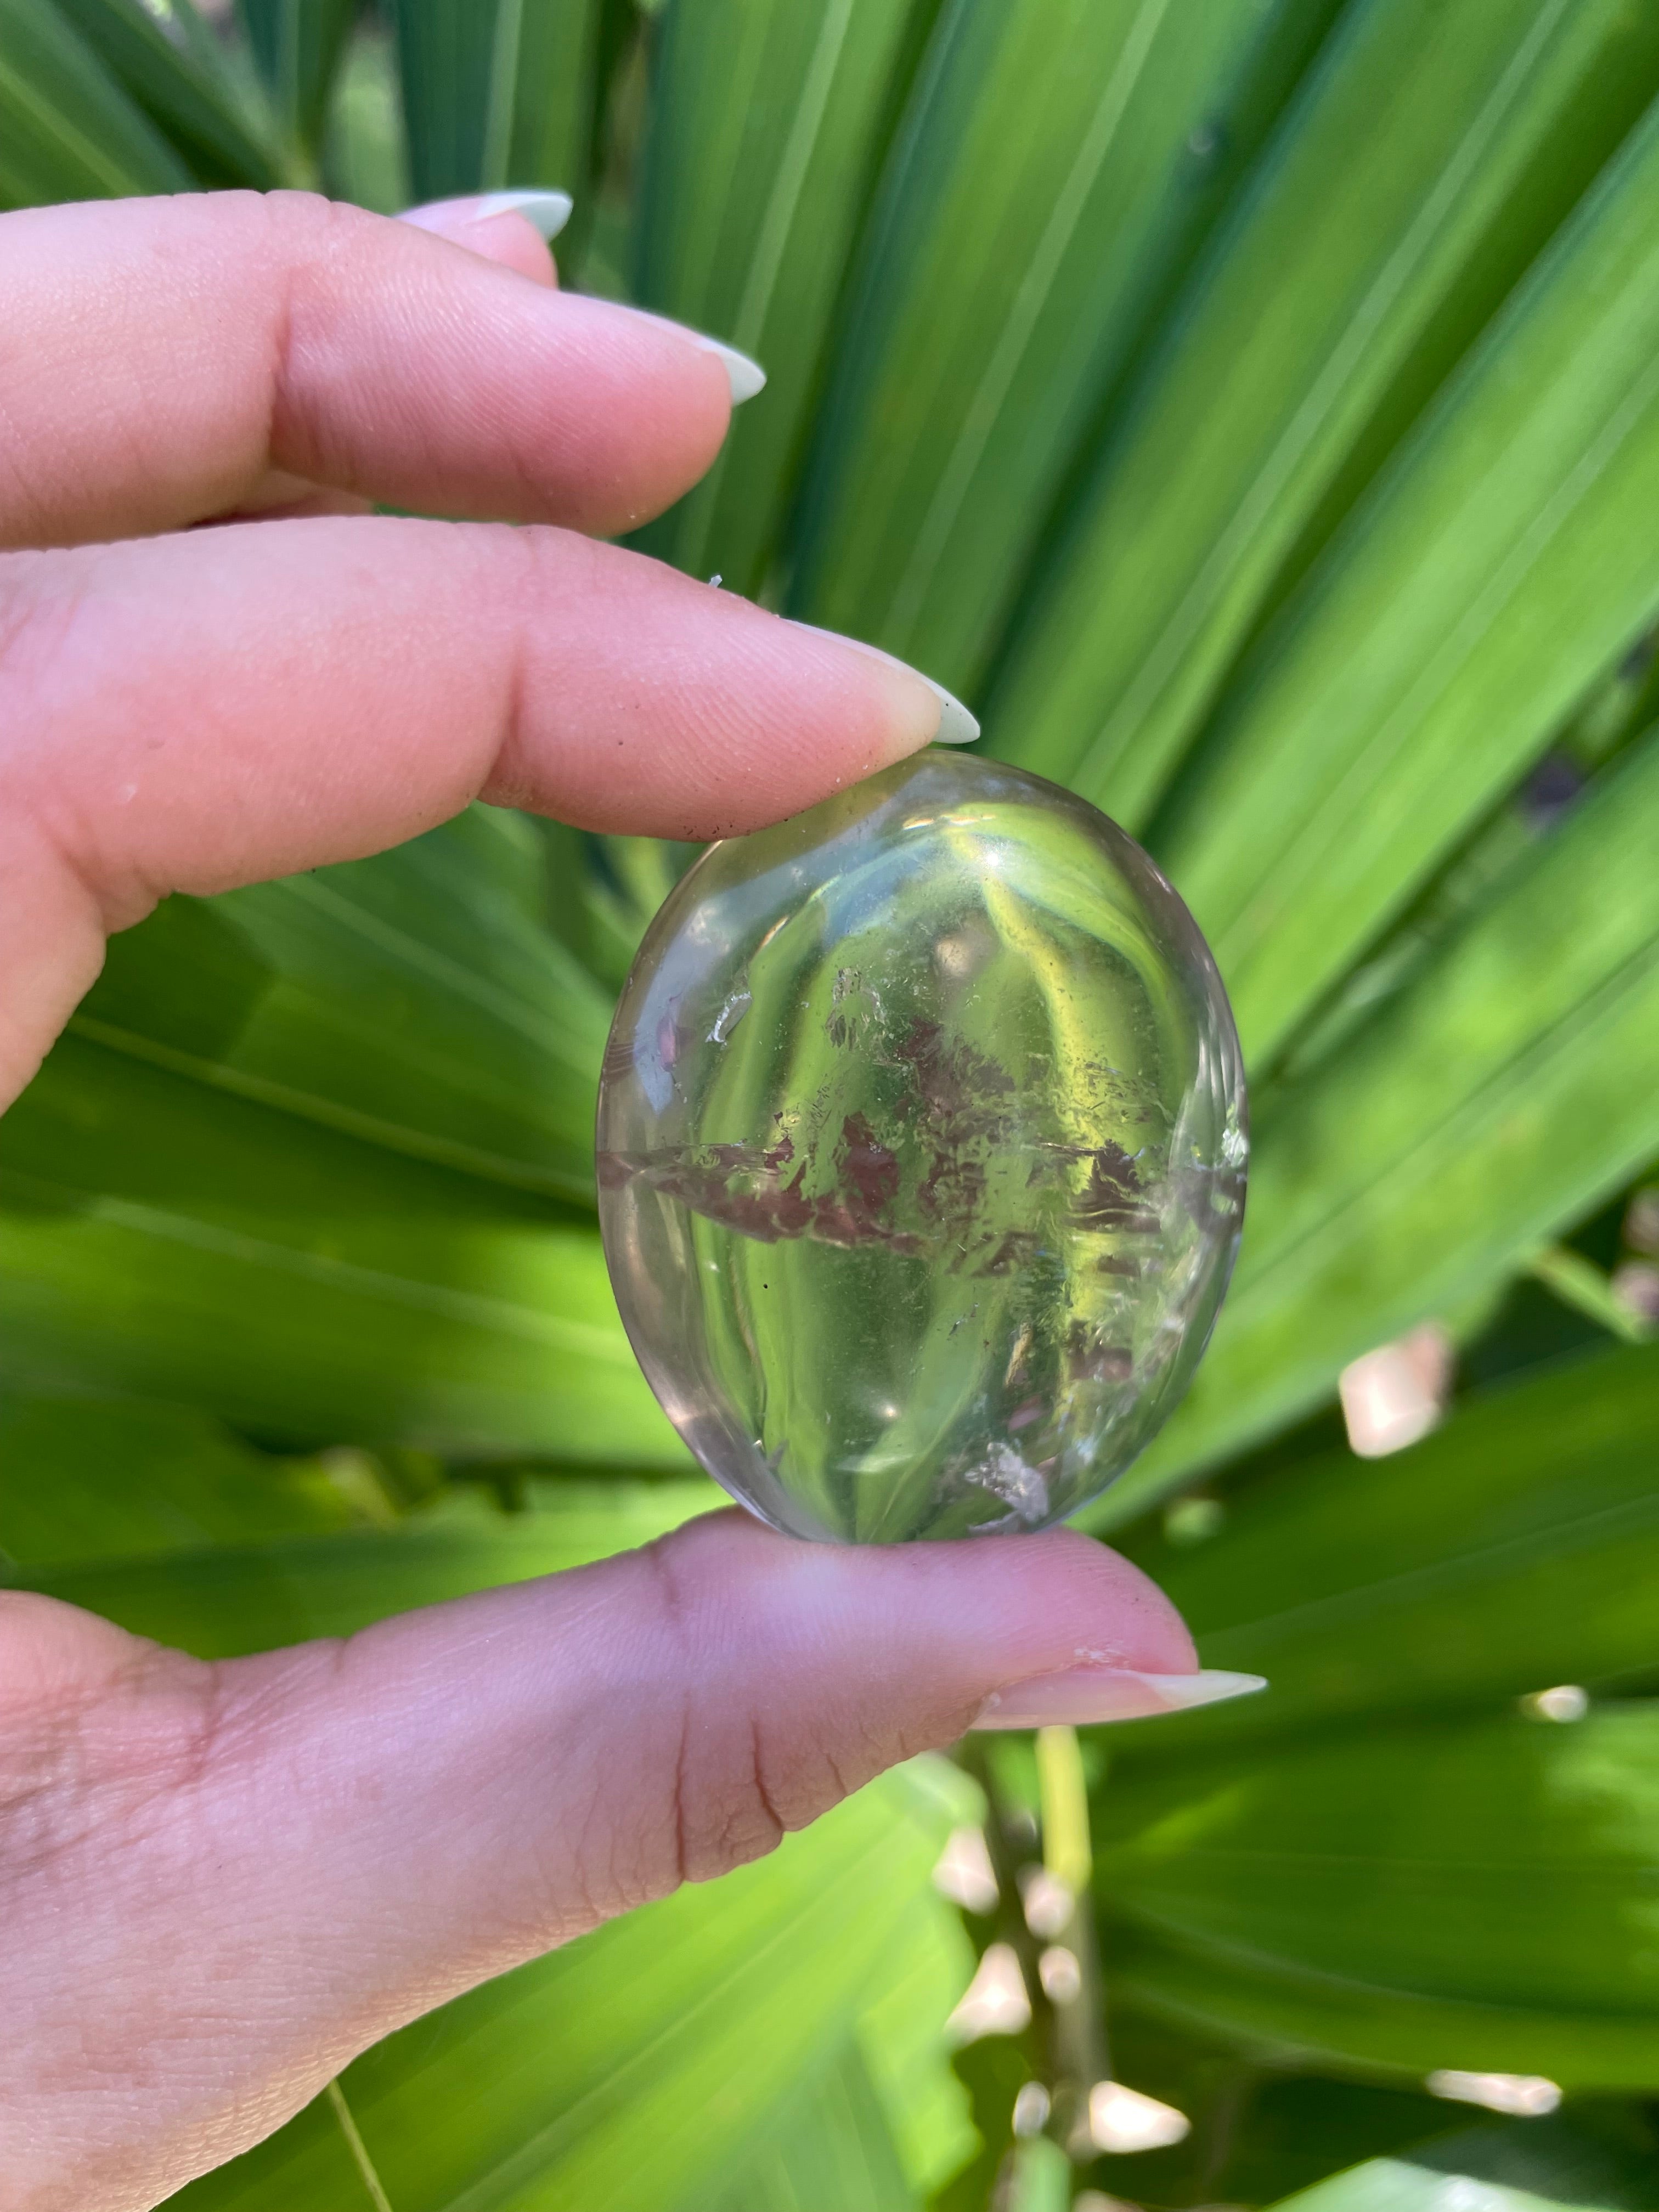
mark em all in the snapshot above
pixel 512 243
pixel 546 211
pixel 909 710
pixel 1069 1599
pixel 745 379
pixel 512 229
pixel 767 718
pixel 960 1619
pixel 952 723
pixel 655 408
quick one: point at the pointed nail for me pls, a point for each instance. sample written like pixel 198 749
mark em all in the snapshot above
pixel 957 727
pixel 744 376
pixel 1082 1695
pixel 547 212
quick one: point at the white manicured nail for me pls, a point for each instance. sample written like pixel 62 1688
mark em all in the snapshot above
pixel 1083 1695
pixel 744 376
pixel 546 212
pixel 957 727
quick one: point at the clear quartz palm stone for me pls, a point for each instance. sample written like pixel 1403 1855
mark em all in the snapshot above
pixel 922 1145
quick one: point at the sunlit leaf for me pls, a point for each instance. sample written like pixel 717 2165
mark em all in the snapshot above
pixel 1056 171
pixel 94 1479
pixel 1428 157
pixel 830 2143
pixel 415 1000
pixel 298 1162
pixel 1505 561
pixel 159 1236
pixel 632 876
pixel 364 155
pixel 765 122
pixel 1477 1897
pixel 1516 1548
pixel 1529 2166
pixel 1514 1084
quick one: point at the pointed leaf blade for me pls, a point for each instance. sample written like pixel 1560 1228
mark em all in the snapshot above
pixel 496 93
pixel 1491 1103
pixel 1477 1898
pixel 68 131
pixel 160 1238
pixel 766 122
pixel 1427 158
pixel 1055 169
pixel 1516 1548
pixel 169 61
pixel 1505 563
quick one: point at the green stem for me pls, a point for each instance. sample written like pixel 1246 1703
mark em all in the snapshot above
pixel 1077 2037
pixel 358 2147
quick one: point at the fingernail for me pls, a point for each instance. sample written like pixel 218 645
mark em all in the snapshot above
pixel 957 727
pixel 544 212
pixel 744 376
pixel 1084 1694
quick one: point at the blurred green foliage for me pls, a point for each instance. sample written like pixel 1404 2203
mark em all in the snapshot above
pixel 1253 409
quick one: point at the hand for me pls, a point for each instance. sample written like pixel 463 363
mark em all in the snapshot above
pixel 218 1884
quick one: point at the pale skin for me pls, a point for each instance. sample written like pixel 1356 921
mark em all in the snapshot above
pixel 219 1883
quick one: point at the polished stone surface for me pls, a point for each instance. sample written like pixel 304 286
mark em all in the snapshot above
pixel 921 1156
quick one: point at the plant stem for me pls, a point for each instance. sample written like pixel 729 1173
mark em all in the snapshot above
pixel 1077 2037
pixel 357 2146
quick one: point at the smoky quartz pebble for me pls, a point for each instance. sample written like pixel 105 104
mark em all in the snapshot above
pixel 921 1150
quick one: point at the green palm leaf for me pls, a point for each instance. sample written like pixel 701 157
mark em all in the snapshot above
pixel 300 1161
pixel 1058 168
pixel 417 999
pixel 830 2137
pixel 160 1237
pixel 496 92
pixel 1477 1897
pixel 298 45
pixel 1427 158
pixel 1505 560
pixel 170 63
pixel 765 123
pixel 1516 1548
pixel 68 131
pixel 90 1479
pixel 1511 1085
pixel 1531 2166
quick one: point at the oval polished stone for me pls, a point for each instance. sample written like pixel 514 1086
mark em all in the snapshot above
pixel 921 1146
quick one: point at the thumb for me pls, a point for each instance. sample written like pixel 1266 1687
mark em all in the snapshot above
pixel 349 1833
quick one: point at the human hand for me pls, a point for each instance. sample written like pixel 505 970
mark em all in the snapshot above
pixel 219 1883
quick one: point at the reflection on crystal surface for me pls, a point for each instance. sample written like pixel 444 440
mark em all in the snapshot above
pixel 921 1156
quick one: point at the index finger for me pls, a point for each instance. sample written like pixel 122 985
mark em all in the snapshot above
pixel 207 709
pixel 159 357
